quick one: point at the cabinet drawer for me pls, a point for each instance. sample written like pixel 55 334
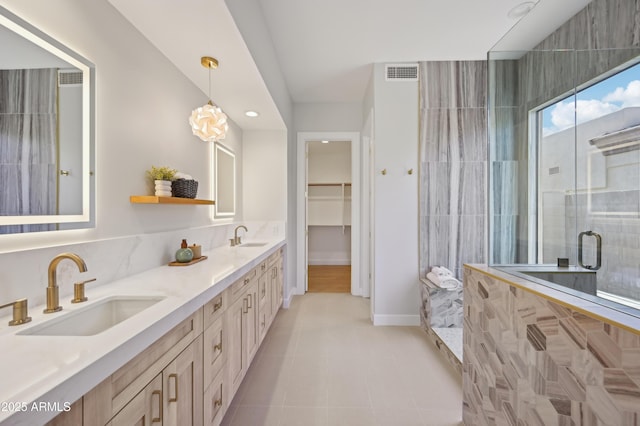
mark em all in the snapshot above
pixel 238 288
pixel 215 403
pixel 215 350
pixel 214 308
pixel 273 258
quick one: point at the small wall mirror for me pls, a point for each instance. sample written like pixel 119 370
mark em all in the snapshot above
pixel 46 131
pixel 225 181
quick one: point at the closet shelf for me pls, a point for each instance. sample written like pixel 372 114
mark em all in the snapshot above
pixel 329 184
pixel 152 199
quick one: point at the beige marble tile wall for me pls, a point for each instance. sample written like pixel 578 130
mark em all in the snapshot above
pixel 528 360
pixel 453 159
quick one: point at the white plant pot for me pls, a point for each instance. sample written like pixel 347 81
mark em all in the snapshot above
pixel 163 188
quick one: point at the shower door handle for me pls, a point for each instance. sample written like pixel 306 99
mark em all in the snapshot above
pixel 598 250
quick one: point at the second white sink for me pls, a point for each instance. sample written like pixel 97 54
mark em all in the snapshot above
pixel 254 244
pixel 95 318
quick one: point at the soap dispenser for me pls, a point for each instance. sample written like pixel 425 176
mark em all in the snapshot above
pixel 184 253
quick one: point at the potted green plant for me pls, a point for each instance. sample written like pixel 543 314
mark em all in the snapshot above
pixel 162 177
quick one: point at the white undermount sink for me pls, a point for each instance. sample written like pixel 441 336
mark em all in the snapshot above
pixel 253 244
pixel 95 318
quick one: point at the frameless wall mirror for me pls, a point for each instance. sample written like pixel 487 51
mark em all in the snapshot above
pixel 225 181
pixel 46 132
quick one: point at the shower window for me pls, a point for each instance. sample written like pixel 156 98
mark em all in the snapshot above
pixel 564 133
pixel 588 181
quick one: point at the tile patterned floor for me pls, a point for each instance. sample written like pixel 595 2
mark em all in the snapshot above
pixel 323 363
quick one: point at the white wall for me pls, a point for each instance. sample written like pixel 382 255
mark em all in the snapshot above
pixel 265 183
pixel 329 117
pixel 249 19
pixel 396 298
pixel 141 120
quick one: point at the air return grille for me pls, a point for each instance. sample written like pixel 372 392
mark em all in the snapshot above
pixel 69 78
pixel 401 72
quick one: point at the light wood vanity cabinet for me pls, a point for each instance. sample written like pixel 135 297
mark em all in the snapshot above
pixel 144 409
pixel 176 358
pixel 170 398
pixel 190 375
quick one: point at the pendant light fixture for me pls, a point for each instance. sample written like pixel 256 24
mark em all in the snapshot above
pixel 208 122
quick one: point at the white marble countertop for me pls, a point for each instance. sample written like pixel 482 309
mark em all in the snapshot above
pixel 59 370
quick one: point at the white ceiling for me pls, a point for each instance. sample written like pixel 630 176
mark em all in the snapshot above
pixel 326 48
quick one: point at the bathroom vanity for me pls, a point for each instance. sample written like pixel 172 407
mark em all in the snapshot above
pixel 177 358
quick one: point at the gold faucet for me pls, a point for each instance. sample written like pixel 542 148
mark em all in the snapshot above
pixel 53 298
pixel 237 240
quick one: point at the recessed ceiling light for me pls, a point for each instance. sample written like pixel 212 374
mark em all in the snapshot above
pixel 325 141
pixel 251 114
pixel 520 10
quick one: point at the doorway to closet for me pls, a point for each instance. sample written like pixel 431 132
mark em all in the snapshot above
pixel 329 186
pixel 352 220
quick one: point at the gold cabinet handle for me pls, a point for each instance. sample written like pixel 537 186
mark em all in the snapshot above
pixel 217 347
pixel 217 403
pixel 65 172
pixel 384 171
pixel 249 300
pixel 175 387
pixel 20 312
pixel 78 291
pixel 159 418
pixel 246 281
pixel 410 171
pixel 217 306
pixel 245 306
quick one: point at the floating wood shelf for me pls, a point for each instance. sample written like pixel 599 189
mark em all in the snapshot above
pixel 152 199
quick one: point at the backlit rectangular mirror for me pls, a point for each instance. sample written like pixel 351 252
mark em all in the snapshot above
pixel 225 181
pixel 46 131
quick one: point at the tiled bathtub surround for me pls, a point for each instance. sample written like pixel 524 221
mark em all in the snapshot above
pixel 453 158
pixel 531 360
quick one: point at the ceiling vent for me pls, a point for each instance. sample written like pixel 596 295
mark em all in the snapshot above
pixel 401 72
pixel 69 78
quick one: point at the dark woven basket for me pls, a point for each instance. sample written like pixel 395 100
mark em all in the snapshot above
pixel 183 188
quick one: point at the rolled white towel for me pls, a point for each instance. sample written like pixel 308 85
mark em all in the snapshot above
pixel 446 282
pixel 441 271
pixel 181 175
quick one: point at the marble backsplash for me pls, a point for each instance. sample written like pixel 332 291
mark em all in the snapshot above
pixel 23 274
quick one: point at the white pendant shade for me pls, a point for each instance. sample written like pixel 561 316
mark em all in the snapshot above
pixel 209 123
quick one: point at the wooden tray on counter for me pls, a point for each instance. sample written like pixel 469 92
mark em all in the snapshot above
pixel 200 259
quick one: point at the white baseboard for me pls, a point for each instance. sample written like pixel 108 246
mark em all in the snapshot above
pixel 402 320
pixel 286 302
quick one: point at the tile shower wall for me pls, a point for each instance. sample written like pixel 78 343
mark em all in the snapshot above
pixel 453 155
pixel 528 360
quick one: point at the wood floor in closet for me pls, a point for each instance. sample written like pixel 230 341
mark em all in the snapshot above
pixel 329 278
